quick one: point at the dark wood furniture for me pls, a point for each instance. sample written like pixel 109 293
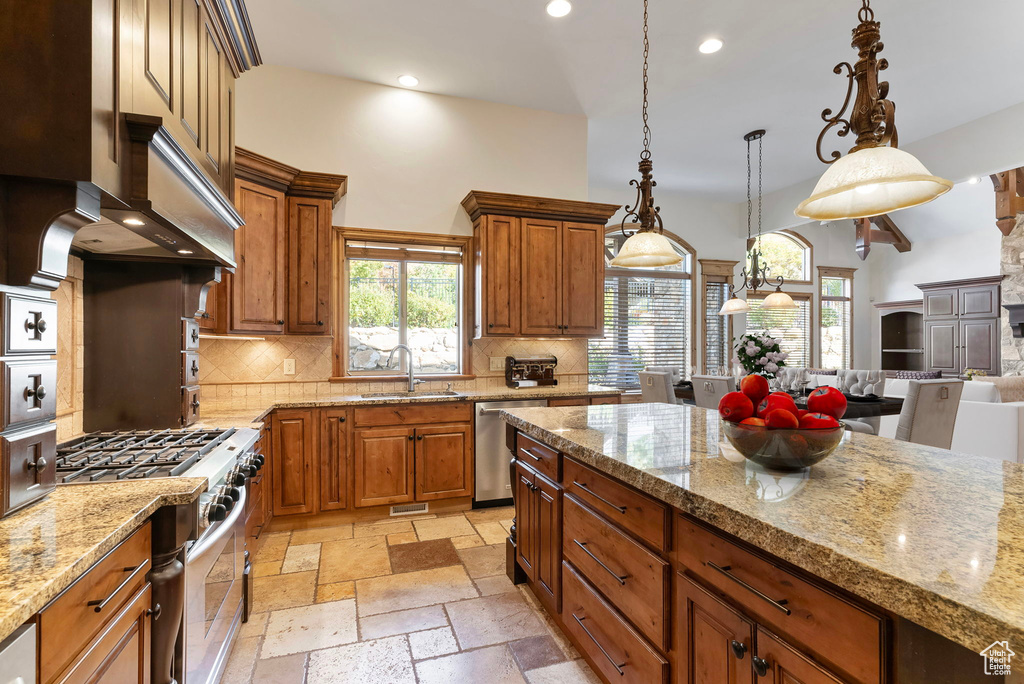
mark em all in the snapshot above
pixel 962 325
pixel 141 344
pixel 539 265
pixel 647 593
pixel 282 283
pixel 901 326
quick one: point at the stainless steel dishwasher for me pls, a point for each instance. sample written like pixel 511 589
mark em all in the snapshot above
pixel 493 487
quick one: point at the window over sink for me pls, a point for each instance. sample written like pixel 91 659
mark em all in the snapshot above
pixel 648 317
pixel 401 288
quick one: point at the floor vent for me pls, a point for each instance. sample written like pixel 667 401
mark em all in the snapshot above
pixel 409 509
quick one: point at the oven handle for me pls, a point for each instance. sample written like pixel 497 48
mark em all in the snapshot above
pixel 222 528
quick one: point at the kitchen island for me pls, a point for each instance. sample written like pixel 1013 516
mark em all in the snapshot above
pixel 647 542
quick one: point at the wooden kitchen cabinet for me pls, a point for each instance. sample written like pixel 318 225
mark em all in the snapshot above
pixel 979 345
pixel 334 459
pixel 962 325
pixel 282 281
pixel 258 284
pixel 784 664
pixel 383 466
pixel 541 270
pixel 539 265
pixel 714 641
pixel 539 533
pixel 293 475
pixel 942 346
pixel 443 462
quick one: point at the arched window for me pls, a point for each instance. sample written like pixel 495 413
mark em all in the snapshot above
pixel 648 317
pixel 787 254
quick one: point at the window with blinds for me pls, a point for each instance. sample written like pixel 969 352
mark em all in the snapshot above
pixel 648 320
pixel 836 334
pixel 717 342
pixel 791 326
pixel 403 293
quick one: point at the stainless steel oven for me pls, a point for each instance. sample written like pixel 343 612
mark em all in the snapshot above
pixel 215 573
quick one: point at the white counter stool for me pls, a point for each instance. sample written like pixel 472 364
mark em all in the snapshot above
pixel 656 387
pixel 708 390
pixel 928 415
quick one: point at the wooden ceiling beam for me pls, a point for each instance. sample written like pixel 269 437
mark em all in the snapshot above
pixel 881 229
pixel 1009 187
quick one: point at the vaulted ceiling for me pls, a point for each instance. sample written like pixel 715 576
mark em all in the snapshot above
pixel 951 62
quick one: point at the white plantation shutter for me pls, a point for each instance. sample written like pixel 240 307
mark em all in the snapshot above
pixel 836 330
pixel 647 323
pixel 717 345
pixel 791 326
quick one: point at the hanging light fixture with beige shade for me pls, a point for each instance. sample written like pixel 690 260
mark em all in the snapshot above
pixel 875 177
pixel 647 247
pixel 756 273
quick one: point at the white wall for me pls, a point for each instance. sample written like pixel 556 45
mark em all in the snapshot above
pixel 410 156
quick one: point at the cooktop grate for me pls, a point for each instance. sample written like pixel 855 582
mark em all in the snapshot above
pixel 136 454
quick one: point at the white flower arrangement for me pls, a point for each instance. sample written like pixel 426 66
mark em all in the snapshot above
pixel 760 354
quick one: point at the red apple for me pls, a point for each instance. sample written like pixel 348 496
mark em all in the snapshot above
pixel 828 400
pixel 800 413
pixel 817 421
pixel 755 422
pixel 735 407
pixel 776 400
pixel 781 418
pixel 755 387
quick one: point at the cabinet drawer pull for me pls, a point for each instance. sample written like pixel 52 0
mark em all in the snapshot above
pixel 760 666
pixel 588 490
pixel 621 579
pixel 100 605
pixel 780 604
pixel 618 667
pixel 532 455
pixel 739 649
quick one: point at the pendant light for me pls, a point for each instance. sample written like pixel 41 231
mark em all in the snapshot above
pixel 875 177
pixel 757 275
pixel 647 247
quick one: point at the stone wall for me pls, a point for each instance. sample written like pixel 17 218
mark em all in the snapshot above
pixel 436 350
pixel 1012 268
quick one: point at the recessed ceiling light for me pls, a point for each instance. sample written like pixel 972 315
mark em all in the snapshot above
pixel 559 8
pixel 710 46
pixel 408 81
pixel 134 222
pixel 185 251
pixel 973 180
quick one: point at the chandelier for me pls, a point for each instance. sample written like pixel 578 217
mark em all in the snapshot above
pixel 875 177
pixel 756 273
pixel 647 247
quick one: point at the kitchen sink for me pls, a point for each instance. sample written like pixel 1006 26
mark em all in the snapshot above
pixel 412 395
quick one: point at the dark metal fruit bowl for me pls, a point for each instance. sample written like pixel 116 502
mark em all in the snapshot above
pixel 788 449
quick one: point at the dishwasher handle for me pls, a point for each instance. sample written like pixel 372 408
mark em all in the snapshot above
pixel 489 412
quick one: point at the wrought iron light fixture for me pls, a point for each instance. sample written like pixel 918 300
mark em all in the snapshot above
pixel 875 177
pixel 647 247
pixel 758 273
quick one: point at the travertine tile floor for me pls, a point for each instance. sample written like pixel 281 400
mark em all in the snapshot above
pixel 417 600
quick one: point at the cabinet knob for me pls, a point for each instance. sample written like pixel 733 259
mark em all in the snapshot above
pixel 341 419
pixel 38 392
pixel 280 322
pixel 39 465
pixel 195 367
pixel 419 436
pixel 760 666
pixel 37 325
pixel 738 649
pixel 155 611
pixel 410 438
pixel 320 323
pixel 490 325
pixel 195 335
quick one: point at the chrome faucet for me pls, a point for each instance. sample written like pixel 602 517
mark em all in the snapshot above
pixel 412 381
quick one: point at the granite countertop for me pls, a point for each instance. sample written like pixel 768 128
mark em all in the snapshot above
pixel 48 545
pixel 233 417
pixel 933 536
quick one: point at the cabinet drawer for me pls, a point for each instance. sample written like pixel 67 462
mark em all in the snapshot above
pixel 414 414
pixel 576 401
pixel 634 579
pixel 31 391
pixel 843 636
pixel 189 334
pixel 29 466
pixel 72 619
pixel 189 405
pixel 631 510
pixel 190 368
pixel 538 456
pixel 600 401
pixel 615 649
pixel 30 325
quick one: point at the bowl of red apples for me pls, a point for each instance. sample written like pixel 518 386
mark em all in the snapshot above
pixel 768 428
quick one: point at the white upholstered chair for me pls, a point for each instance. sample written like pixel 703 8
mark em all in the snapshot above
pixel 656 387
pixel 708 390
pixel 861 382
pixel 929 413
pixel 793 378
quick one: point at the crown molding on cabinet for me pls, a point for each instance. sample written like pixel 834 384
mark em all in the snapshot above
pixel 479 202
